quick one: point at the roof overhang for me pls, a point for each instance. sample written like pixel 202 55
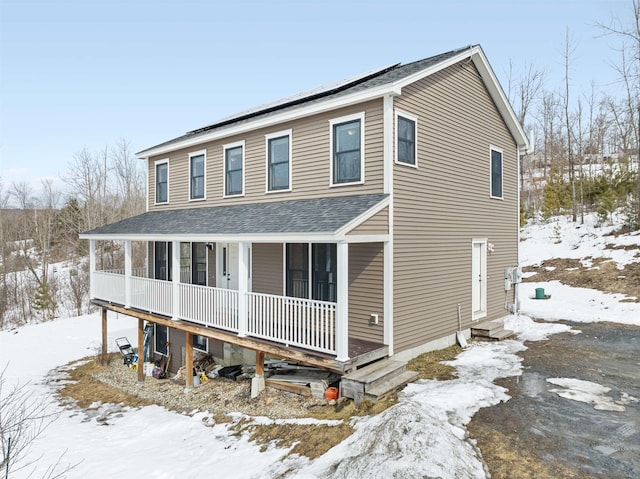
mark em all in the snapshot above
pixel 322 220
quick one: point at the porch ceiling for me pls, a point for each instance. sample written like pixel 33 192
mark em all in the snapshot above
pixel 319 219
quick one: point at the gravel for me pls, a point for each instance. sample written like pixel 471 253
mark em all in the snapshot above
pixel 218 396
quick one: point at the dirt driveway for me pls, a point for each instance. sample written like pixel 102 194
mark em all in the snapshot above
pixel 540 434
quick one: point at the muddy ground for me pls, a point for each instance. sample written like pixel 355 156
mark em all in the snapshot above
pixel 538 434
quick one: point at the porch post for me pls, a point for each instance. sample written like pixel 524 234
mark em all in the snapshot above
pixel 92 267
pixel 342 306
pixel 188 360
pixel 243 286
pixel 140 350
pixel 104 352
pixel 128 272
pixel 175 271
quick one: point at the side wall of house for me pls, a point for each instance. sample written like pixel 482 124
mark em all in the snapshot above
pixel 444 203
pixel 310 163
pixel 366 290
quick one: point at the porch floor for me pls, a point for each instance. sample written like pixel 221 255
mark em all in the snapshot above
pixel 361 352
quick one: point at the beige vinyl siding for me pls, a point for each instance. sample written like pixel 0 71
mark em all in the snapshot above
pixel 267 265
pixel 366 290
pixel 378 224
pixel 310 163
pixel 211 266
pixel 443 204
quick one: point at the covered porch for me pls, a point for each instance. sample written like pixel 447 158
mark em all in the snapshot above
pixel 317 297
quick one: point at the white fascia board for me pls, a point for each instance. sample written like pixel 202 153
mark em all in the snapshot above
pixel 294 114
pixel 357 221
pixel 324 237
pixel 500 99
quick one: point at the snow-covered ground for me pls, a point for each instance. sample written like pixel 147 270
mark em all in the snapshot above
pixel 423 435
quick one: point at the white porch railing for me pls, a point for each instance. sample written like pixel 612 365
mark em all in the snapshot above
pixel 215 307
pixel 109 286
pixel 294 321
pixel 309 324
pixel 152 295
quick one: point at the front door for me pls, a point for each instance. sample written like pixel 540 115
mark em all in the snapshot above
pixel 227 261
pixel 479 279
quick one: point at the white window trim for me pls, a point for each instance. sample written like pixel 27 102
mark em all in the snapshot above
pixel 345 119
pixel 268 137
pixel 154 337
pixel 226 147
pixel 191 155
pixel 201 350
pixel 155 181
pixel 407 116
pixel 499 150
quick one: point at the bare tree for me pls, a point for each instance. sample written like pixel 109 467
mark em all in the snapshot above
pixel 568 51
pixel 629 71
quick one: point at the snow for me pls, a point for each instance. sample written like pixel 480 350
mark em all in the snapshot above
pixel 424 435
pixel 590 393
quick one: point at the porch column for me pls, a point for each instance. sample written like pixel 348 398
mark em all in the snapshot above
pixel 188 360
pixel 92 267
pixel 128 272
pixel 243 286
pixel 342 306
pixel 175 271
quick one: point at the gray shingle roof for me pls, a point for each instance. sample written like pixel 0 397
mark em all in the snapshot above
pixel 321 215
pixel 378 78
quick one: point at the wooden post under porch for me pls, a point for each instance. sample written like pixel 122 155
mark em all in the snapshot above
pixel 360 352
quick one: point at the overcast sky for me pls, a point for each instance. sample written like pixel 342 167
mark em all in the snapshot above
pixel 85 73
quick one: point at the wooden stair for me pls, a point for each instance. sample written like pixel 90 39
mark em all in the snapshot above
pixel 491 330
pixel 375 381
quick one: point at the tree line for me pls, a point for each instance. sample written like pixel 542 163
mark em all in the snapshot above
pixel 43 226
pixel 587 143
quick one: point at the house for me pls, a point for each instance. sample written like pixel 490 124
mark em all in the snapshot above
pixel 361 220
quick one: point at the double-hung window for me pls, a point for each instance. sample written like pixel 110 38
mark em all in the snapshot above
pixel 197 162
pixel 279 161
pixel 311 270
pixel 162 181
pixel 200 343
pixel 496 173
pixel 347 155
pixel 234 169
pixel 406 145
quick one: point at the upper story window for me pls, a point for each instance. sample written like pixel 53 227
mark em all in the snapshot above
pixel 406 145
pixel 279 161
pixel 162 181
pixel 197 162
pixel 347 155
pixel 496 173
pixel 234 169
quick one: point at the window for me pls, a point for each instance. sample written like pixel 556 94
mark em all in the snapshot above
pixel 347 158
pixel 199 260
pixel 162 256
pixel 323 266
pixel 162 181
pixel 200 343
pixel 196 174
pixel 496 173
pixel 233 169
pixel 279 161
pixel 406 140
pixel 160 338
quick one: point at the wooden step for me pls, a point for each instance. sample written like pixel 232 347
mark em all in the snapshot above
pixel 375 380
pixel 493 330
pixel 390 385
